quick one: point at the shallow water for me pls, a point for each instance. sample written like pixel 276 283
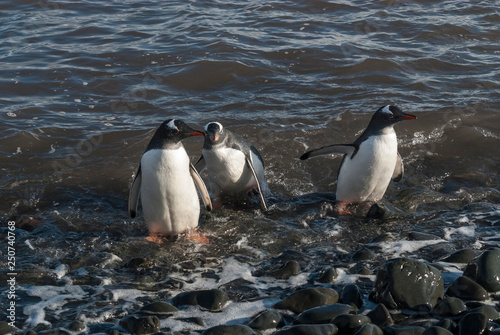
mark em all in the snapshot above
pixel 84 84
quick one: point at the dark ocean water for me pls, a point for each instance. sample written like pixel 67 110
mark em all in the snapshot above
pixel 84 84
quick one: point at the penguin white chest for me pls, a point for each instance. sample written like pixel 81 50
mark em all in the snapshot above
pixel 168 194
pixel 227 168
pixel 366 176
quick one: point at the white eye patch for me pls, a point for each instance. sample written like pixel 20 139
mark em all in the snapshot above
pixel 217 123
pixel 171 125
pixel 387 110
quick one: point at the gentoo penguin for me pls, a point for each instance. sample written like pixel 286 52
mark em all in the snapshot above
pixel 371 161
pixel 165 182
pixel 234 166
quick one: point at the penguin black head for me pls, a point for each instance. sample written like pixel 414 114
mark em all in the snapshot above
pixel 171 132
pixel 386 116
pixel 214 132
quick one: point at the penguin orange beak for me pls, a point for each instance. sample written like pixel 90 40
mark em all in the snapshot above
pixel 215 137
pixel 409 117
pixel 196 133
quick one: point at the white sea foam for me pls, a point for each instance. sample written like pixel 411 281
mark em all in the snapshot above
pixel 399 248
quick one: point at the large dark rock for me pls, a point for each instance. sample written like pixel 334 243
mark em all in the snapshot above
pixel 229 330
pixel 351 295
pixel 326 329
pixel 434 330
pixel 268 319
pixel 407 283
pixel 308 298
pixel 159 308
pixel 460 256
pixel 449 306
pixel 472 324
pixel 380 316
pixel 323 314
pixel 213 300
pixel 290 269
pixel 485 270
pixel 467 289
pixel 349 323
pixel 140 325
pixel 369 329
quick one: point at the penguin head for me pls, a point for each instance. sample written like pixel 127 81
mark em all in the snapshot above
pixel 214 132
pixel 170 132
pixel 389 115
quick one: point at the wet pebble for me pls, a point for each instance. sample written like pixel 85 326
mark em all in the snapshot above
pixel 212 300
pixel 269 319
pixel 326 329
pixel 409 330
pixel 229 330
pixel 472 324
pixel 323 314
pixel 380 316
pixel 328 275
pixel 308 298
pixel 76 326
pixel 448 325
pixel 435 330
pixel 466 289
pixel 290 269
pixel 490 312
pixel 369 329
pixel 5 328
pixel 418 236
pixel 348 323
pixel 140 325
pixel 351 295
pixel 460 256
pixel 159 308
pixel 407 283
pixel 449 306
pixel 485 269
pixel 363 254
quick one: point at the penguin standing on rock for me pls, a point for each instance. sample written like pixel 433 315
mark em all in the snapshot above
pixel 370 162
pixel 166 183
pixel 233 164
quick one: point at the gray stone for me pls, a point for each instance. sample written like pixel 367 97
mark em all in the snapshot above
pixel 472 324
pixel 460 256
pixel 76 326
pixel 140 325
pixel 485 270
pixel 351 295
pixel 418 236
pixel 369 329
pixel 326 329
pixel 5 328
pixel 268 319
pixel 291 268
pixel 490 312
pixel 213 300
pixel 449 325
pixel 380 316
pixel 408 330
pixel 407 283
pixel 229 330
pixel 348 323
pixel 363 254
pixel 435 330
pixel 449 306
pixel 308 298
pixel 467 289
pixel 159 308
pixel 323 314
pixel 328 276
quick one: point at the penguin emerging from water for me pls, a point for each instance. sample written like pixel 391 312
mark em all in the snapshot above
pixel 370 162
pixel 166 183
pixel 233 164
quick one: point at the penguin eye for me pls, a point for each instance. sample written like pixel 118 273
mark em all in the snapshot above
pixel 391 116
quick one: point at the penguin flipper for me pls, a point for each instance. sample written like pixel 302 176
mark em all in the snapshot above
pixel 200 164
pixel 399 170
pixel 341 149
pixel 259 189
pixel 201 187
pixel 133 196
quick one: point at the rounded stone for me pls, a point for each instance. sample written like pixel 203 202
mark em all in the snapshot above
pixel 326 329
pixel 159 308
pixel 351 295
pixel 229 330
pixel 449 325
pixel 76 326
pixel 308 298
pixel 408 330
pixel 290 269
pixel 348 323
pixel 490 312
pixel 380 316
pixel 323 314
pixel 268 319
pixel 363 254
pixel 467 289
pixel 328 276
pixel 140 325
pixel 485 269
pixel 369 329
pixel 472 324
pixel 419 236
pixel 435 330
pixel 407 283
pixel 460 256
pixel 212 300
pixel 449 306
